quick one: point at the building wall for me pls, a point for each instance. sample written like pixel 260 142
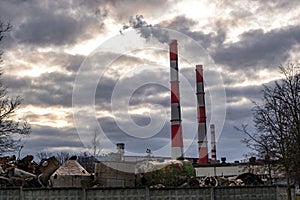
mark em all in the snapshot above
pixel 219 171
pixel 115 174
pixel 234 170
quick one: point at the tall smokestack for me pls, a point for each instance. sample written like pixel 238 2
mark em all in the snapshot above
pixel 176 129
pixel 202 138
pixel 213 142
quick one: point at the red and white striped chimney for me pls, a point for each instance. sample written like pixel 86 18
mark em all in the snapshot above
pixel 213 142
pixel 202 138
pixel 176 129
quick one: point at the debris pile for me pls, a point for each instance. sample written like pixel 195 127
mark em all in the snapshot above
pixel 49 172
pixel 219 181
pixel 26 172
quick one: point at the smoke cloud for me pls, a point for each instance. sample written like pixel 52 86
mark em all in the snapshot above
pixel 146 30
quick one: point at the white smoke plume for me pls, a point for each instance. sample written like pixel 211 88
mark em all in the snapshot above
pixel 146 30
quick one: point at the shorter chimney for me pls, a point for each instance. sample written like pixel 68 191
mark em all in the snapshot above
pixel 213 142
pixel 202 136
pixel 121 148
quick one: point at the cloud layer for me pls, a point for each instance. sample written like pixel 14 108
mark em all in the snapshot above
pixel 50 41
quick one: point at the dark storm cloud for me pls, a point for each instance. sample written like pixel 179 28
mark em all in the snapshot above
pixel 143 95
pixel 43 23
pixel 150 94
pixel 256 48
pixel 180 23
pixel 238 114
pixel 48 30
pixel 44 137
pixel 16 84
pixel 46 90
pixel 255 7
pixel 141 120
pixel 122 10
pixel 134 143
pixel 56 88
pixel 73 62
pixel 237 76
pixel 250 92
pixel 53 89
pixel 116 72
pixel 259 48
pixel 281 5
pixel 185 25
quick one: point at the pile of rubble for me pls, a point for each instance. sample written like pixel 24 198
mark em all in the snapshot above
pixel 50 173
pixel 217 181
pixel 25 172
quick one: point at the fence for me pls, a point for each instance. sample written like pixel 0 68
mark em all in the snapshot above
pixel 222 193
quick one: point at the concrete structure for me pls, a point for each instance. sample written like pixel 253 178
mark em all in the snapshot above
pixel 144 158
pixel 176 129
pixel 70 174
pixel 115 174
pixel 202 134
pixel 222 193
pixel 220 171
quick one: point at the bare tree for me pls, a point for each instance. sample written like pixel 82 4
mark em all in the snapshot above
pixel 43 155
pixel 62 156
pixel 277 121
pixel 9 127
pixel 4 28
pixel 95 143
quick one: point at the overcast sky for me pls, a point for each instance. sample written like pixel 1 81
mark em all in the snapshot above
pixel 60 52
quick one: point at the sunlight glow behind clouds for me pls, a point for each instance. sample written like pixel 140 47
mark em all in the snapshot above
pixel 42 65
pixel 46 116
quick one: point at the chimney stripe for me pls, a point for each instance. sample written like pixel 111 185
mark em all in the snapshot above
pixel 176 128
pixel 202 135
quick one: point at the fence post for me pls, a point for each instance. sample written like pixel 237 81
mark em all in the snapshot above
pixel 83 194
pixel 21 193
pixel 147 194
pixel 276 192
pixel 212 193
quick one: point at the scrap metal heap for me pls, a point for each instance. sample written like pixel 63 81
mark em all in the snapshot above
pixel 48 173
pixel 219 181
pixel 25 172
